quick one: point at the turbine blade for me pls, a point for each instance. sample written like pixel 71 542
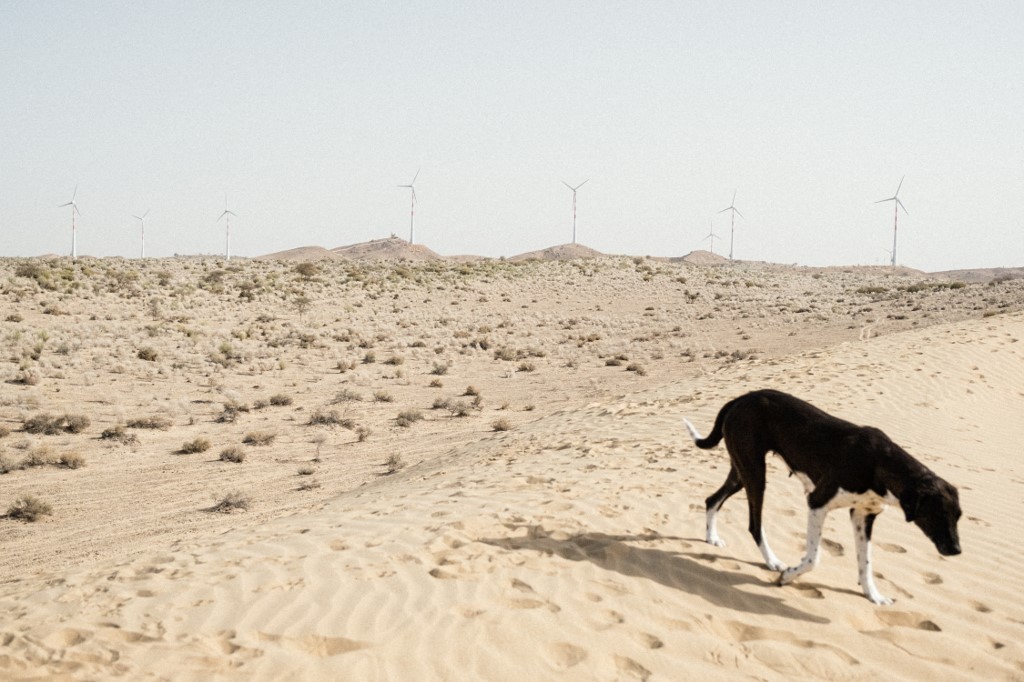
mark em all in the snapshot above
pixel 884 200
pixel 146 213
pixel 727 208
pixel 582 183
pixel 568 185
pixel 898 187
pixel 70 203
pixel 738 212
pixel 900 204
pixel 75 193
pixel 415 176
pixel 733 198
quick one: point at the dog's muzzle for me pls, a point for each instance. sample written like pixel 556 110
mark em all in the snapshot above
pixel 950 550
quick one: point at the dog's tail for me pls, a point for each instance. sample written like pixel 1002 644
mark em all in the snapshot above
pixel 713 438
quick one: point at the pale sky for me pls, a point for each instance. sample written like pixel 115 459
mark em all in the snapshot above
pixel 309 114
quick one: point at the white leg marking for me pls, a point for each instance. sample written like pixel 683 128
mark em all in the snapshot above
pixel 770 559
pixel 712 528
pixel 815 524
pixel 865 576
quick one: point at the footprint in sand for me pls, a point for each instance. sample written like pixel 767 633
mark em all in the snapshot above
pixel 905 619
pixel 562 655
pixel 932 578
pixel 832 547
pixel 889 547
pixel 650 641
pixel 980 608
pixel 628 668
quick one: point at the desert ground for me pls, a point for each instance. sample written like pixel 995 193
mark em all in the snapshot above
pixel 374 463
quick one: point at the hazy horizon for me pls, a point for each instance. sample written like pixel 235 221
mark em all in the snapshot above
pixel 310 118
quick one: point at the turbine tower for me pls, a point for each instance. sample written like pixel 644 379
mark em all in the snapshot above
pixel 732 226
pixel 412 211
pixel 74 232
pixel 896 206
pixel 574 204
pixel 711 235
pixel 142 219
pixel 227 227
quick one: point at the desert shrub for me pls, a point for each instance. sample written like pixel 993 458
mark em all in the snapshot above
pixel 27 377
pixel 4 432
pixel 155 422
pixel 436 383
pixel 231 502
pixel 39 456
pixel 259 438
pixel 407 418
pixel 232 454
pixel 7 464
pixel 636 367
pixel 70 460
pixel 281 400
pixel 395 360
pixel 346 395
pixel 501 425
pixel 505 353
pixel 306 471
pixel 330 418
pixel 393 463
pixel 383 397
pixel 50 425
pixel 29 508
pixel 362 433
pixel 526 366
pixel 148 354
pixel 440 368
pixel 472 391
pixel 369 358
pixel 119 434
pixel 194 446
pixel 309 484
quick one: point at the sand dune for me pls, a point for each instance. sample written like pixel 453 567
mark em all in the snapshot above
pixel 572 549
pixel 568 547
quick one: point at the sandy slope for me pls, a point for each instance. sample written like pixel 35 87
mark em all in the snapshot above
pixel 571 548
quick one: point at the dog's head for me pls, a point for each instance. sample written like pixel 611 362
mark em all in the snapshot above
pixel 934 505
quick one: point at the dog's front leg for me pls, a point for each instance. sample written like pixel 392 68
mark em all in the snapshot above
pixel 862 522
pixel 815 526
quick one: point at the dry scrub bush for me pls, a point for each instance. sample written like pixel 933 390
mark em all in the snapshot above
pixel 383 397
pixel 309 484
pixel 393 463
pixel 280 400
pixel 407 418
pixel 155 422
pixel 149 354
pixel 70 460
pixel 232 454
pixel 29 508
pixel 118 433
pixel 231 502
pixel 51 425
pixel 346 395
pixel 259 438
pixel 501 425
pixel 330 418
pixel 195 446
pixel 306 471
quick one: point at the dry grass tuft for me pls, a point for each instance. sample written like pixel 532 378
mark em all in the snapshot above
pixel 235 501
pixel 232 454
pixel 195 446
pixel 259 438
pixel 50 425
pixel 29 508
pixel 155 422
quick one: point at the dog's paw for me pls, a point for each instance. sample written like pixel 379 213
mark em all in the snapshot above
pixel 788 575
pixel 715 540
pixel 777 566
pixel 880 599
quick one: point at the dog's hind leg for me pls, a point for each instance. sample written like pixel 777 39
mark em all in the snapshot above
pixel 731 486
pixel 862 524
pixel 755 500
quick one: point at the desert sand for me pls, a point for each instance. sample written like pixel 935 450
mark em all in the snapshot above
pixel 507 491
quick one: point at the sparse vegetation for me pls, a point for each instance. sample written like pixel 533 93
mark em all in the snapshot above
pixel 235 501
pixel 29 508
pixel 501 425
pixel 50 425
pixel 195 446
pixel 233 454
pixel 157 422
pixel 259 438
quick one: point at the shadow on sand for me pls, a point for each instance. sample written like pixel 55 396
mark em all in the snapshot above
pixel 689 572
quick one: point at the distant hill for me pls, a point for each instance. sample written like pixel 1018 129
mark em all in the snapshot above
pixel 980 274
pixel 302 253
pixel 391 248
pixel 561 252
pixel 701 257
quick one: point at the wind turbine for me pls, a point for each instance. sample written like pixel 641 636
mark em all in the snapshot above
pixel 711 235
pixel 574 204
pixel 142 219
pixel 227 227
pixel 896 206
pixel 74 232
pixel 732 225
pixel 412 211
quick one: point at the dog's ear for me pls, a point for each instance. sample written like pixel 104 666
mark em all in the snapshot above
pixel 909 501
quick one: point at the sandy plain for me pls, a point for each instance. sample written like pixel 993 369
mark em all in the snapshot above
pixel 507 490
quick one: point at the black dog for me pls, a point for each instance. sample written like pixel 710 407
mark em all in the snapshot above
pixel 840 465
